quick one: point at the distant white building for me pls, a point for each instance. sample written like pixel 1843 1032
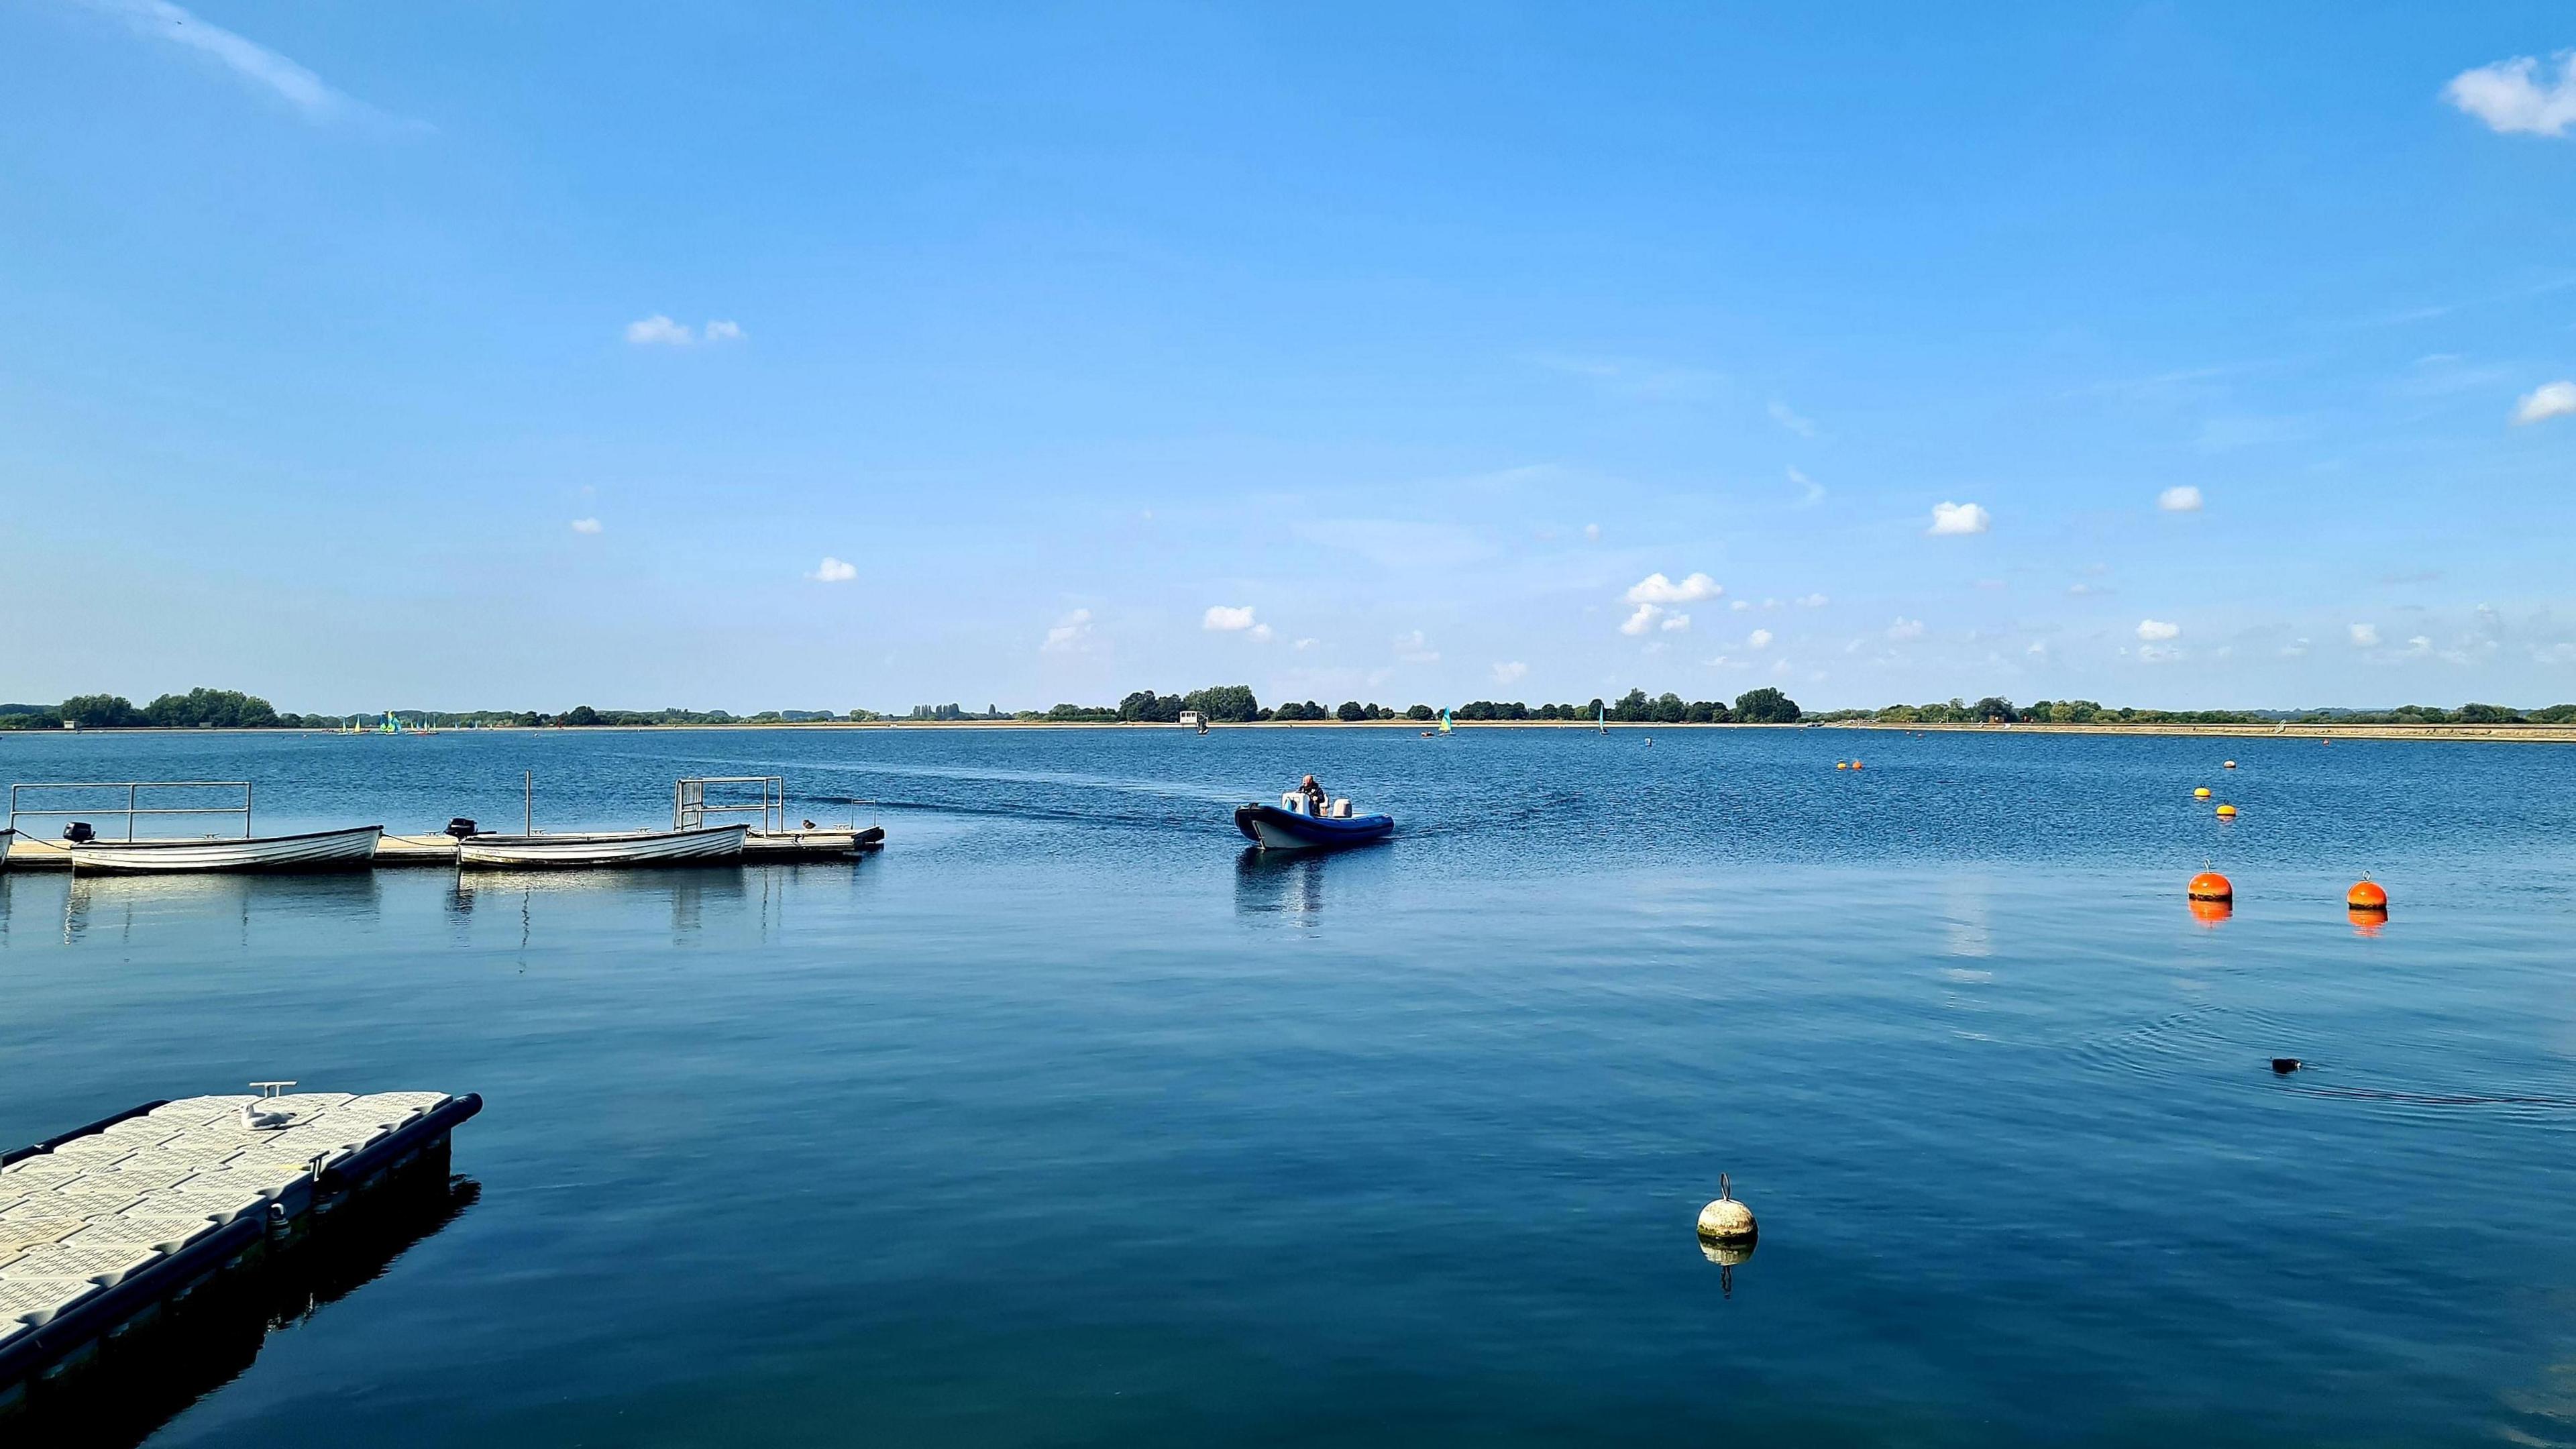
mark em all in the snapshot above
pixel 1194 719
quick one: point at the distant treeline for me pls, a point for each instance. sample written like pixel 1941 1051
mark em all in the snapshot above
pixel 1994 709
pixel 1235 704
pixel 233 710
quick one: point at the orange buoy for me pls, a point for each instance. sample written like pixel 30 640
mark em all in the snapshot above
pixel 2210 913
pixel 2209 885
pixel 1855 764
pixel 2200 794
pixel 2367 896
pixel 2226 812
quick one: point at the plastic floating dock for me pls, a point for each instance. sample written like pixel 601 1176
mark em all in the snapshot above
pixel 396 851
pixel 104 1228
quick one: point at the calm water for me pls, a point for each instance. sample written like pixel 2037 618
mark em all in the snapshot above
pixel 1062 1122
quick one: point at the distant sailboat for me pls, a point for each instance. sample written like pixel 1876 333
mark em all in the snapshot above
pixel 1602 721
pixel 1444 721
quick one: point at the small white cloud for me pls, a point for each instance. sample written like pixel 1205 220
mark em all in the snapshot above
pixel 834 571
pixel 724 332
pixel 2295 649
pixel 2549 400
pixel 2518 95
pixel 1656 589
pixel 585 525
pixel 1261 633
pixel 1511 673
pixel 1905 628
pixel 2364 636
pixel 2155 631
pixel 1642 620
pixel 2038 649
pixel 1759 639
pixel 1812 601
pixel 1412 648
pixel 659 331
pixel 1592 532
pixel 2182 498
pixel 1780 414
pixel 1302 645
pixel 1959 518
pixel 1809 490
pixel 1676 623
pixel 1225 619
pixel 1070 633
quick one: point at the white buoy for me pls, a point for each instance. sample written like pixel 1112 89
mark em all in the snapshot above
pixel 1726 1220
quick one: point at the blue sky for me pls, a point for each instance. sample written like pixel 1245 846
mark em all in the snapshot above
pixel 484 355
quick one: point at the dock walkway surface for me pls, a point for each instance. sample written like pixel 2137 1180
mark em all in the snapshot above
pixel 106 1228
pixel 395 851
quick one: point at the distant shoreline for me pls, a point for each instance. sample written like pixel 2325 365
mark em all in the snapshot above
pixel 2501 734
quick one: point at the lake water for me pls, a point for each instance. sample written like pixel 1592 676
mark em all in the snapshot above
pixel 1064 1121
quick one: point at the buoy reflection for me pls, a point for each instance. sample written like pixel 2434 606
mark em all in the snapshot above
pixel 2210 913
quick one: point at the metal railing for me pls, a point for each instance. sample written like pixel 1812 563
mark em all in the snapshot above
pixel 690 806
pixel 133 808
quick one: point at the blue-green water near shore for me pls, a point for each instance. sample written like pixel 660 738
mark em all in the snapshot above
pixel 1064 1122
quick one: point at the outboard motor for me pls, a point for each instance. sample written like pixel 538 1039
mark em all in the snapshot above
pixel 460 827
pixel 78 831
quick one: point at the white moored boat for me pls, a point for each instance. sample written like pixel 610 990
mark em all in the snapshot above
pixel 603 848
pixel 318 850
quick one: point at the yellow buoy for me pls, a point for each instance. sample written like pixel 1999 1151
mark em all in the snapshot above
pixel 1726 1220
pixel 1842 764
pixel 2200 794
pixel 2226 812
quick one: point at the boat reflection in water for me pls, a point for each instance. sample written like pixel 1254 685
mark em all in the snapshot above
pixel 116 904
pixel 152 1377
pixel 688 889
pixel 1280 883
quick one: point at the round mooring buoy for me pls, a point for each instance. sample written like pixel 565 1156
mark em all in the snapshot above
pixel 2226 812
pixel 1726 1221
pixel 2230 765
pixel 2209 885
pixel 2200 794
pixel 2283 1066
pixel 2367 895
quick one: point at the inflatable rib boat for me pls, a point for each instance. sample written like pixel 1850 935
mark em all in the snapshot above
pixel 1288 825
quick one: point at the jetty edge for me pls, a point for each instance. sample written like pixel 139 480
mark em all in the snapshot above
pixel 113 1227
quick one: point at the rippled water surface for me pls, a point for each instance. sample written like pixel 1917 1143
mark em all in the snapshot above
pixel 1066 1121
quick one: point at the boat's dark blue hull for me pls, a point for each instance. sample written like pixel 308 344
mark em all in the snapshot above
pixel 1272 828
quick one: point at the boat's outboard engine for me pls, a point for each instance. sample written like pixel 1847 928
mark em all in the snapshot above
pixel 78 831
pixel 460 827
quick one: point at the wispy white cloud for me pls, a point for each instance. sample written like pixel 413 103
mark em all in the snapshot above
pixel 585 525
pixel 1675 623
pixel 1511 673
pixel 2549 400
pixel 1905 628
pixel 833 571
pixel 1813 601
pixel 1959 518
pixel 1781 414
pixel 2519 95
pixel 1412 648
pixel 2156 631
pixel 1809 490
pixel 1400 543
pixel 1657 589
pixel 1071 634
pixel 2363 636
pixel 1633 377
pixel 1758 639
pixel 660 331
pixel 2181 498
pixel 247 59
pixel 1227 618
pixel 1592 533
pixel 1302 645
